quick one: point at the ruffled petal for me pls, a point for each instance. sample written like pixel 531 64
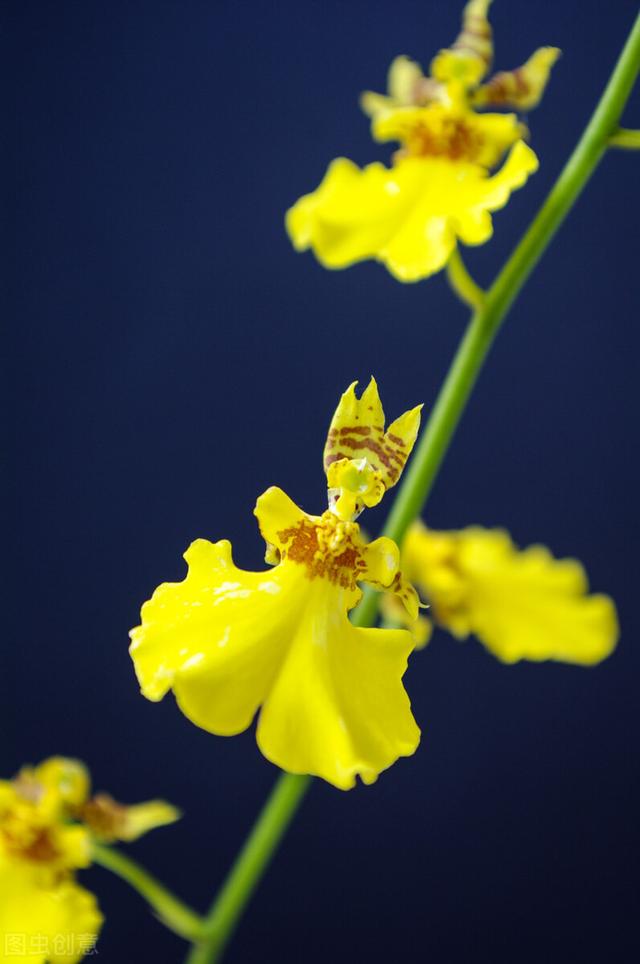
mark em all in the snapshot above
pixel 338 708
pixel 522 604
pixel 347 219
pixel 58 924
pixel 409 217
pixel 492 193
pixel 216 638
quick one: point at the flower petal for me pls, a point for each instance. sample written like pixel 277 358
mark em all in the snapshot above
pixel 338 708
pixel 382 559
pixel 347 218
pixel 357 433
pixel 471 54
pixel 217 638
pixel 276 513
pixel 110 820
pixel 58 924
pixel 492 193
pixel 521 88
pixel 522 604
pixel 408 217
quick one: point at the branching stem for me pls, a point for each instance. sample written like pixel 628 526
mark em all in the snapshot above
pixel 172 911
pixel 627 139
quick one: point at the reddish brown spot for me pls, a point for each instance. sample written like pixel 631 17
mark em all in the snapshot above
pixel 105 816
pixel 303 547
pixel 498 89
pixel 371 445
pixel 356 430
pixel 522 86
pixel 40 848
pixel 457 141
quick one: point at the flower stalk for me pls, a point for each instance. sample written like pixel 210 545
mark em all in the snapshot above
pixel 249 867
pixel 461 282
pixel 601 132
pixel 173 912
pixel 628 140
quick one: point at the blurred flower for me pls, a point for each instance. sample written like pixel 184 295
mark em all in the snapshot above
pixel 42 908
pixel 45 837
pixel 520 603
pixel 229 642
pixel 439 188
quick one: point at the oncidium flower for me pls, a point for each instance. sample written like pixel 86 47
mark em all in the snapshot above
pixel 230 642
pixel 520 603
pixel 440 188
pixel 46 828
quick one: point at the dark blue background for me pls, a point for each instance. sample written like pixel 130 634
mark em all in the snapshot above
pixel 172 357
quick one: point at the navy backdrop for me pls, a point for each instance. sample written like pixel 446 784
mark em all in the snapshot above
pixel 172 357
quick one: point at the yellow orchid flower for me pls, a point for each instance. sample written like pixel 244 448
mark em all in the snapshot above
pixel 44 914
pixel 521 604
pixel 439 189
pixel 230 642
pixel 45 837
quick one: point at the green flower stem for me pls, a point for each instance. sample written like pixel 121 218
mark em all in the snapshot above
pixel 467 364
pixel 175 914
pixel 461 282
pixel 627 139
pixel 249 866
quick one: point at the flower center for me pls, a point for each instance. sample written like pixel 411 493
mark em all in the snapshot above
pixel 33 844
pixel 327 548
pixel 452 137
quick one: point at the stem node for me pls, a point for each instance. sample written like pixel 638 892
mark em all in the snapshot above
pixel 626 139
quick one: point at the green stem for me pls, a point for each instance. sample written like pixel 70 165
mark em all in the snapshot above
pixel 452 399
pixel 627 139
pixel 175 914
pixel 249 867
pixel 461 282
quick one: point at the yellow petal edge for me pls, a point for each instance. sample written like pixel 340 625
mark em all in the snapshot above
pixel 408 217
pixel 521 604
